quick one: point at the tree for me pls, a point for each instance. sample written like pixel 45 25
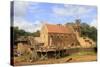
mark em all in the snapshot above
pixel 36 34
pixel 19 32
pixel 88 31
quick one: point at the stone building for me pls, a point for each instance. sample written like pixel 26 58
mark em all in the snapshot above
pixel 55 40
pixel 22 45
pixel 59 36
pixel 64 36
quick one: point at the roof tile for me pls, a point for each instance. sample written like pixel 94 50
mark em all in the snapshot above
pixel 57 29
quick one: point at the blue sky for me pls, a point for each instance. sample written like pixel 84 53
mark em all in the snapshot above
pixel 31 15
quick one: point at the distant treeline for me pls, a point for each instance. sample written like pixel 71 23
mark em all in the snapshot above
pixel 20 32
pixel 86 31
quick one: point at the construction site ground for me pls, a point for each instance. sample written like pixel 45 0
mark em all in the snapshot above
pixel 78 57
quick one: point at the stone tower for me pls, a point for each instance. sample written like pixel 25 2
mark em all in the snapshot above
pixel 77 27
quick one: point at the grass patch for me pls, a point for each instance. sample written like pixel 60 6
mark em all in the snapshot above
pixel 82 53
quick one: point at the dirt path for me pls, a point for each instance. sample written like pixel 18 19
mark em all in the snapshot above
pixel 63 60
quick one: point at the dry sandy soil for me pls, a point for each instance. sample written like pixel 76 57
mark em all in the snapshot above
pixel 67 59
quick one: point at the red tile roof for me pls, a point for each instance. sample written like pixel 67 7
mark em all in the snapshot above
pixel 57 29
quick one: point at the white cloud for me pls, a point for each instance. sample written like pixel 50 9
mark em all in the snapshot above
pixel 21 7
pixel 28 26
pixel 94 23
pixel 70 10
pixel 20 10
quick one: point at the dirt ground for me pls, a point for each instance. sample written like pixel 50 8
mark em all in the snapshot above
pixel 67 59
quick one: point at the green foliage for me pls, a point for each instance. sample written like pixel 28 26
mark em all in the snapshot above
pixel 36 34
pixel 88 31
pixel 19 32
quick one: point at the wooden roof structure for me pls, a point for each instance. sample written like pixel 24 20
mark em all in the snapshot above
pixel 57 28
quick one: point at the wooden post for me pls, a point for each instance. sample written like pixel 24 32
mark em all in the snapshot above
pixel 59 54
pixel 46 55
pixel 41 54
pixel 55 54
